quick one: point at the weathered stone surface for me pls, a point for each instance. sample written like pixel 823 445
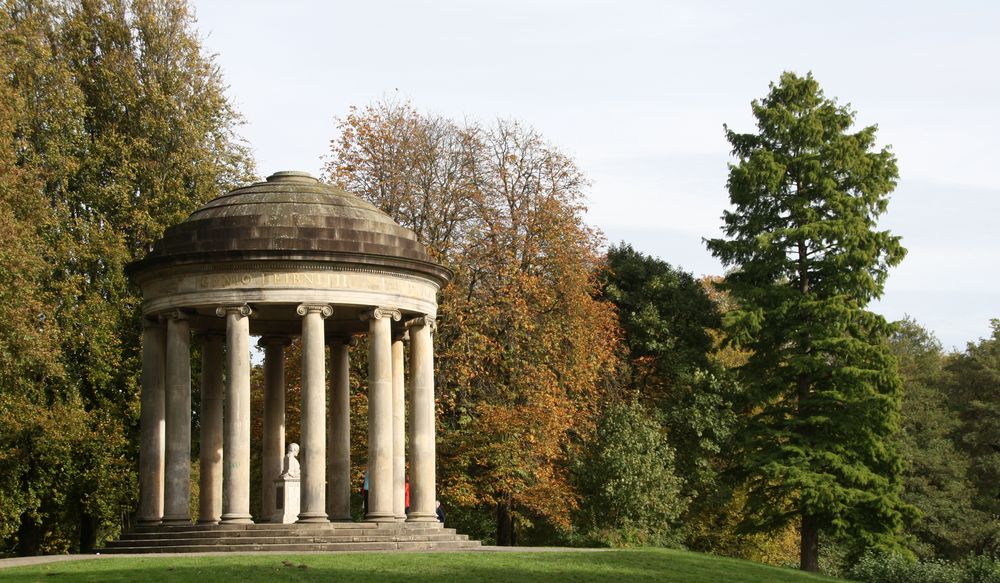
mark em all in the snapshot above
pixel 290 215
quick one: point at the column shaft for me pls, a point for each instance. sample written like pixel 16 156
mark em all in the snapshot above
pixel 273 438
pixel 236 445
pixel 152 425
pixel 338 488
pixel 422 470
pixel 176 485
pixel 210 450
pixel 380 499
pixel 398 428
pixel 313 506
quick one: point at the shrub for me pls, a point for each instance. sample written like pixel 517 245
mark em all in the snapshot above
pixel 894 568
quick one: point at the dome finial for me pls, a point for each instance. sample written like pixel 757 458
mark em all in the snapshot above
pixel 292 176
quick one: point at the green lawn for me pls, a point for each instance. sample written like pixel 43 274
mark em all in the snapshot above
pixel 617 566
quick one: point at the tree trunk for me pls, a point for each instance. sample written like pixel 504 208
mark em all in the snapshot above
pixel 29 536
pixel 88 533
pixel 809 549
pixel 505 523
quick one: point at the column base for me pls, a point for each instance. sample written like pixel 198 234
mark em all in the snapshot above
pixel 312 518
pixel 415 517
pixel 149 521
pixel 380 517
pixel 215 521
pixel 175 520
pixel 236 519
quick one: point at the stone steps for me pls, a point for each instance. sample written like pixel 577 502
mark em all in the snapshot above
pixel 363 536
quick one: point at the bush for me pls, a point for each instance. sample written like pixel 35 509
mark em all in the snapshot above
pixel 894 568
pixel 630 494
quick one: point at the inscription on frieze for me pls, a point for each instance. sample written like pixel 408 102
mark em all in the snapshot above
pixel 348 281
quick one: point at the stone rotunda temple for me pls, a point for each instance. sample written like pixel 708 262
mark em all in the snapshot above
pixel 287 257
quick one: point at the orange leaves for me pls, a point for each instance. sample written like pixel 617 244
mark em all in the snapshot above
pixel 523 348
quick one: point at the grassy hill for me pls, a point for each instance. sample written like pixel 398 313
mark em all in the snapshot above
pixel 618 566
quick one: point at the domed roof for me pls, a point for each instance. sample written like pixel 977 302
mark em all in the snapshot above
pixel 291 216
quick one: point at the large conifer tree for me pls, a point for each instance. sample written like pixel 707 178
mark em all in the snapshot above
pixel 807 257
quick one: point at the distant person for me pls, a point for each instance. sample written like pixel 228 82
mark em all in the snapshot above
pixel 439 510
pixel 364 495
pixel 406 503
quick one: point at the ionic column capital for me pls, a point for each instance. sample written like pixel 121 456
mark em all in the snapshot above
pixel 323 310
pixel 266 341
pixel 429 321
pixel 242 309
pixel 380 312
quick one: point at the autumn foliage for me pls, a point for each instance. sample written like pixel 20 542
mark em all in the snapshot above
pixel 523 348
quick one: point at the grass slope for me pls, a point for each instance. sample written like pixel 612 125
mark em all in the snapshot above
pixel 618 566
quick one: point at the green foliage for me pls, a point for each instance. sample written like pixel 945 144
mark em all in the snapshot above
pixel 807 257
pixel 895 568
pixel 935 480
pixel 975 395
pixel 115 125
pixel 664 311
pixel 631 496
pixel 666 315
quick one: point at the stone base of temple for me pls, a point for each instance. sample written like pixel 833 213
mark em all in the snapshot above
pixel 334 536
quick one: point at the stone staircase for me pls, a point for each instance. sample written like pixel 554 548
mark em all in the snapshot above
pixel 334 536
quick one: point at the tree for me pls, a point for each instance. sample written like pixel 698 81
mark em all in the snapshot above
pixel 117 127
pixel 975 395
pixel 935 481
pixel 523 346
pixel 806 258
pixel 630 492
pixel 667 317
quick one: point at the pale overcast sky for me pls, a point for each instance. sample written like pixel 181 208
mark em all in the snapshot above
pixel 637 93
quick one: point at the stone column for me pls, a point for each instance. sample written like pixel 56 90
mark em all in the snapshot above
pixel 176 484
pixel 210 451
pixel 398 429
pixel 313 507
pixel 338 443
pixel 273 438
pixel 380 499
pixel 422 494
pixel 236 444
pixel 152 423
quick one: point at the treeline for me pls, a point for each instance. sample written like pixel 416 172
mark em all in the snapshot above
pixel 113 125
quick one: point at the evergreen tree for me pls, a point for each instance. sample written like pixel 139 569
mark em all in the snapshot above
pixel 806 259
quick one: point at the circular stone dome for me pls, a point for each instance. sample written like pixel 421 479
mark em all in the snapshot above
pixel 288 239
pixel 291 215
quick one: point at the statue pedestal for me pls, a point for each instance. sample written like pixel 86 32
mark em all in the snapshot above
pixel 286 503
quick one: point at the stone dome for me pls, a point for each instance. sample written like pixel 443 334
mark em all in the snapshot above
pixel 291 216
pixel 278 244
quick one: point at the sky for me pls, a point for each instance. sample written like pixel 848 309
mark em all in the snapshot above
pixel 638 92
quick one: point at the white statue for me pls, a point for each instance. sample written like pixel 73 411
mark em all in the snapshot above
pixel 291 466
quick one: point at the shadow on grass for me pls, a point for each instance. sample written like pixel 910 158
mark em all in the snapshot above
pixel 610 566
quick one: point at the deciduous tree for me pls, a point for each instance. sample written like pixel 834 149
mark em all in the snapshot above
pixel 115 125
pixel 523 346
